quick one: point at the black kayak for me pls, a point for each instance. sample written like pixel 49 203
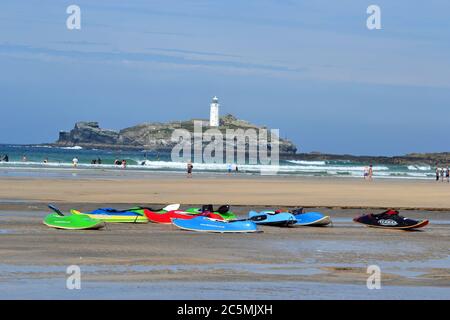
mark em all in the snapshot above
pixel 390 219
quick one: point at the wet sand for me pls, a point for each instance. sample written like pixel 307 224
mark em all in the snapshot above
pixel 296 263
pixel 130 261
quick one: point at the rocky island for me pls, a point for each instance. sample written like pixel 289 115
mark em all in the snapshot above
pixel 157 137
pixel 152 136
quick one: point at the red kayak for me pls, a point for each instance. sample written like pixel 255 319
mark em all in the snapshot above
pixel 166 217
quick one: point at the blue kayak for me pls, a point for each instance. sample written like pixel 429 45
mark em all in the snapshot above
pixel 311 218
pixel 204 224
pixel 273 218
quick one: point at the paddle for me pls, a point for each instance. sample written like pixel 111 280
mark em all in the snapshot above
pixel 52 207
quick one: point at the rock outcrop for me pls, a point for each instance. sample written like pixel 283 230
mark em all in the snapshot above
pixel 152 136
pixel 88 132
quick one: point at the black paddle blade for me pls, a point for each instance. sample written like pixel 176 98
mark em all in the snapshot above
pixel 224 209
pixel 52 207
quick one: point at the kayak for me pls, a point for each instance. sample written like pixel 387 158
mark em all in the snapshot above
pixel 72 222
pixel 166 218
pixel 141 210
pixel 390 219
pixel 104 215
pixel 223 211
pixel 310 218
pixel 205 224
pixel 273 218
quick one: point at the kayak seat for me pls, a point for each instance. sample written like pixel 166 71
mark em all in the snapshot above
pixel 297 211
pixel 224 209
pixel 207 208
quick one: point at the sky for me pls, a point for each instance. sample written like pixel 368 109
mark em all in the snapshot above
pixel 309 68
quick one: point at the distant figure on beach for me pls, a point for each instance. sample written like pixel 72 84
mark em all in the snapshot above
pixel 442 174
pixel 236 169
pixel 75 162
pixel 437 173
pixel 24 158
pixel 124 164
pixel 189 169
pixel 117 162
pixel 94 161
pixel 99 160
pixel 370 172
pixel 230 168
pixel 6 158
pixel 366 173
pixel 46 160
pixel 447 174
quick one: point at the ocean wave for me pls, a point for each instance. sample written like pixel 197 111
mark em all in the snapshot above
pixel 72 148
pixel 220 168
pixel 419 168
pixel 305 162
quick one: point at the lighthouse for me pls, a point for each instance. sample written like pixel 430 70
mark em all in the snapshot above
pixel 214 113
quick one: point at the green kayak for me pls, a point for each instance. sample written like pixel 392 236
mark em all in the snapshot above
pixel 72 222
pixel 223 211
pixel 141 210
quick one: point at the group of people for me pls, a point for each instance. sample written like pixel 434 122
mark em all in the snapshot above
pixel 117 162
pixel 122 163
pixel 96 161
pixel 443 174
pixel 368 173
pixel 190 167
pixel 230 168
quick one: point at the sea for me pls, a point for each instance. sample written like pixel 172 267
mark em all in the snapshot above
pixel 61 158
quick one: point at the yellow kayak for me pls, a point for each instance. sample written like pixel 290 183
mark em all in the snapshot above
pixel 118 217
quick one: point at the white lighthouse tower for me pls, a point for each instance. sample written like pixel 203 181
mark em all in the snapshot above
pixel 214 113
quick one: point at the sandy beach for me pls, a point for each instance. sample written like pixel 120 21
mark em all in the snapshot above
pixel 132 261
pixel 234 190
pixel 136 259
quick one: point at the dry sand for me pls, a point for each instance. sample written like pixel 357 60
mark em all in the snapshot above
pixel 270 191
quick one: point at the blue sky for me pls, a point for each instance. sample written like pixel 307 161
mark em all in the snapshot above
pixel 309 68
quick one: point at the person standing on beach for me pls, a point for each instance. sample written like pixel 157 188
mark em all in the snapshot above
pixel 99 160
pixel 6 158
pixel 124 164
pixel 370 172
pixel 447 174
pixel 189 169
pixel 442 174
pixel 75 162
pixel 366 172
pixel 437 173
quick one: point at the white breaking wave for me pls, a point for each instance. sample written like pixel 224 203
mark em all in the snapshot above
pixel 358 170
pixel 73 148
pixel 301 170
pixel 420 168
pixel 304 162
